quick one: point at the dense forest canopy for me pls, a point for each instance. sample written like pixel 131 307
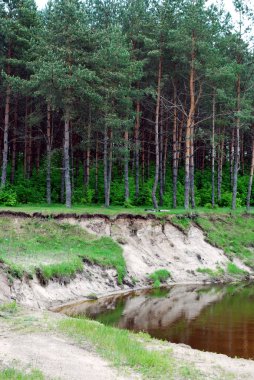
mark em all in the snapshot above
pixel 130 102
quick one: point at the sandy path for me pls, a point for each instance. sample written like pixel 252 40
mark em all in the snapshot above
pixel 54 356
pixel 215 366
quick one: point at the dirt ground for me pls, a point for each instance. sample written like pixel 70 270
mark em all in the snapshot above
pixel 23 346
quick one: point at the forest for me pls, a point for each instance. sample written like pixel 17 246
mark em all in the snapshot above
pixel 126 102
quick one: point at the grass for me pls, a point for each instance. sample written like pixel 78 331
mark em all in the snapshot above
pixel 126 350
pixel 235 270
pixel 114 210
pixel 54 249
pixel 160 275
pixel 8 308
pixel 233 234
pixel 12 374
pixel 213 273
pixel 182 223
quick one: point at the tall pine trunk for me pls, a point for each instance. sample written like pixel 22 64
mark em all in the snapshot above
pixel 157 157
pixel 126 167
pixel 175 150
pixel 107 161
pixel 213 152
pixel 161 159
pixel 220 166
pixel 189 127
pixel 237 145
pixel 96 167
pixel 137 146
pixel 49 143
pixel 88 152
pixel 67 177
pixel 6 136
pixel 251 176
pixel 192 170
pixel 14 144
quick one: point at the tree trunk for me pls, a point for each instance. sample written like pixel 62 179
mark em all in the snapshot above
pixel 49 143
pixel 213 151
pixel 96 168
pixel 161 159
pixel 242 152
pixel 189 126
pixel 29 152
pixel 14 144
pixel 88 151
pixel 67 177
pixel 220 165
pixel 251 177
pixel 232 154
pixel 63 177
pixel 110 158
pixel 192 169
pixel 107 161
pixel 237 145
pixel 175 150
pixel 38 153
pixel 157 157
pixel 137 144
pixel 6 135
pixel 165 156
pixel 143 157
pixel 25 137
pixel 126 167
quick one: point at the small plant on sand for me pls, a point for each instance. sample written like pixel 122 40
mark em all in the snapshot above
pixel 218 272
pixel 8 308
pixel 159 276
pixel 235 270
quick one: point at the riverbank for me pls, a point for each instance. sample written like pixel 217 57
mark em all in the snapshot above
pixel 49 261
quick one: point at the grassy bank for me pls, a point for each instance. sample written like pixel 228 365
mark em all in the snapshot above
pixel 234 234
pixel 54 249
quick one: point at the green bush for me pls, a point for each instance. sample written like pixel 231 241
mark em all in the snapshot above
pixel 8 197
pixel 235 270
pixel 160 275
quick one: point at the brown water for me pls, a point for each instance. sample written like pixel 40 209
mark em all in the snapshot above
pixel 216 318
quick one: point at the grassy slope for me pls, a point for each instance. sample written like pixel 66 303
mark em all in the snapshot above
pixel 57 249
pixel 234 234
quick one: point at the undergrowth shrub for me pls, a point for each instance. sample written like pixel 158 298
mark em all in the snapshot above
pixel 159 276
pixel 8 197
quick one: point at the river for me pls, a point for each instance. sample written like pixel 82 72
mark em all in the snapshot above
pixel 211 318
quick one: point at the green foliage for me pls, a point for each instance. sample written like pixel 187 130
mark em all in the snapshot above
pixel 226 200
pixel 159 276
pixel 8 197
pixel 235 270
pixel 212 273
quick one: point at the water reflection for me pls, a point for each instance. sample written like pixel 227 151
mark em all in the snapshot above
pixel 216 318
